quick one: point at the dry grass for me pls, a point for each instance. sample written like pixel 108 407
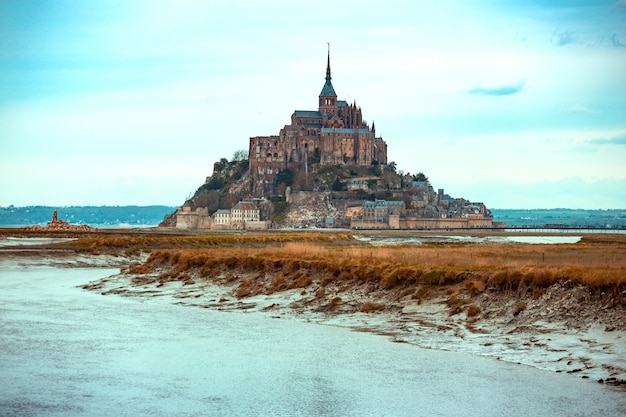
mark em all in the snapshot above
pixel 473 310
pixel 130 245
pixel 371 307
pixel 279 261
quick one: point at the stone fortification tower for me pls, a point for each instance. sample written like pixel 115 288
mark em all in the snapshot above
pixel 334 134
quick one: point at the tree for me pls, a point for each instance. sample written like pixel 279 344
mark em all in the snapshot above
pixel 285 176
pixel 392 166
pixel 215 183
pixel 420 177
pixel 317 157
pixel 375 170
pixel 337 186
pixel 240 155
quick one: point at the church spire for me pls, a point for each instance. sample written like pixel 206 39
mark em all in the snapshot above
pixel 328 65
pixel 328 90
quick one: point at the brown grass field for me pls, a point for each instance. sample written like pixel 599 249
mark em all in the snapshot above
pixel 297 259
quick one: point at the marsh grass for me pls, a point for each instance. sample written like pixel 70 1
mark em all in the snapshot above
pixel 473 311
pixel 371 307
pixel 273 262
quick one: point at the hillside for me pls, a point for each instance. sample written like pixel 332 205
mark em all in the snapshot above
pixel 326 195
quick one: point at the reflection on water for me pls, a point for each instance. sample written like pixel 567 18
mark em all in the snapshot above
pixel 403 240
pixel 65 351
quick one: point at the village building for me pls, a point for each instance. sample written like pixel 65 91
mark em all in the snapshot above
pixel 186 218
pixel 221 219
pixel 354 184
pixel 381 214
pixel 334 134
pixel 242 213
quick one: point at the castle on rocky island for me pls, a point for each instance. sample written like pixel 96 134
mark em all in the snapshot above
pixel 334 134
pixel 348 181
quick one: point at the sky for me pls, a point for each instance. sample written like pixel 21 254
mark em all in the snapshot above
pixel 517 104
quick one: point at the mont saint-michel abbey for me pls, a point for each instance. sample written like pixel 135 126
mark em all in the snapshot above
pixel 335 133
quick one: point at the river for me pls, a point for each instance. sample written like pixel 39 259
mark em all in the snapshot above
pixel 65 351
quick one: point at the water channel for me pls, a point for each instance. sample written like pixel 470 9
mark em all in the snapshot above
pixel 65 351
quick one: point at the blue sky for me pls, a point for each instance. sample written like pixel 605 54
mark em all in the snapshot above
pixel 519 104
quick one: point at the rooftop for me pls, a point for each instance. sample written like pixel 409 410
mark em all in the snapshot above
pixel 307 113
pixel 344 130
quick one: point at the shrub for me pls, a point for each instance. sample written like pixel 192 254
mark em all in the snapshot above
pixel 244 289
pixel 407 291
pixel 499 279
pixel 542 278
pixel 399 276
pixel 421 293
pixel 301 279
pixel 473 310
pixel 334 302
pixel 327 280
pixel 456 304
pixel 433 277
pixel 370 307
pixel 454 301
pixel 474 287
pixel 139 269
pixel 279 283
pixel 519 307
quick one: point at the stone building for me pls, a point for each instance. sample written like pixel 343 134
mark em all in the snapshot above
pixel 243 213
pixel 221 219
pixel 196 219
pixel 335 133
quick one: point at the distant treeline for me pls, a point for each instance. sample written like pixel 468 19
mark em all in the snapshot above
pixel 564 217
pixel 102 216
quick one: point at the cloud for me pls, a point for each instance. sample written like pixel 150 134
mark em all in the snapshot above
pixel 619 140
pixel 562 38
pixel 570 192
pixel 616 42
pixel 579 108
pixel 502 90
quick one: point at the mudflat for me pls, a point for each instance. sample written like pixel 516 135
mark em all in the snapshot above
pixel 553 306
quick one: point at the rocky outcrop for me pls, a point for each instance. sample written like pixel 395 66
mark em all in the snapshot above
pixel 310 209
pixel 56 225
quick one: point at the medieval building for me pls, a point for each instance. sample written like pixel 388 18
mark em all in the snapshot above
pixel 334 134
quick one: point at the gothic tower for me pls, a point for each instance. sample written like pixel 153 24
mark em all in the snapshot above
pixel 328 97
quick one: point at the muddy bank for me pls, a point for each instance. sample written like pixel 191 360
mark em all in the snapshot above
pixel 565 329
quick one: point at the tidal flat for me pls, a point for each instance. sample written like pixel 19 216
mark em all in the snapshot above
pixel 233 325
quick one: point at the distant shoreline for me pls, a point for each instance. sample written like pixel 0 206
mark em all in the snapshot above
pixel 152 216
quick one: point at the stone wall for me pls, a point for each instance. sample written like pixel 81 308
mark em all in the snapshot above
pixel 198 219
pixel 395 222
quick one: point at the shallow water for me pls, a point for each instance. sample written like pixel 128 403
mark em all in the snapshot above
pixel 28 241
pixel 65 351
pixel 418 240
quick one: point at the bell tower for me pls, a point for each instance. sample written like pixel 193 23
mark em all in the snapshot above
pixel 328 97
